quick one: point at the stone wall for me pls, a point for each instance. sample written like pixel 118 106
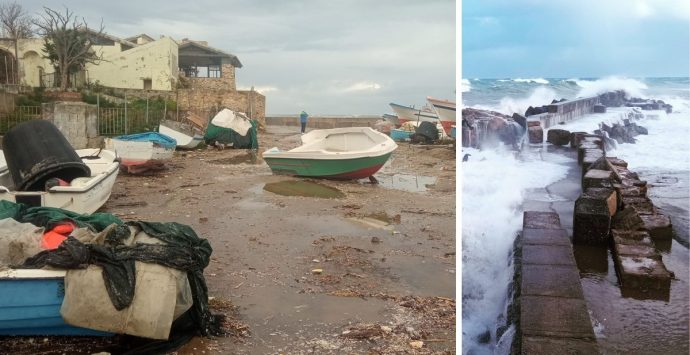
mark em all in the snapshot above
pixel 77 121
pixel 225 82
pixel 250 102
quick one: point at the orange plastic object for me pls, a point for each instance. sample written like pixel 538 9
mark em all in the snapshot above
pixel 65 228
pixel 51 240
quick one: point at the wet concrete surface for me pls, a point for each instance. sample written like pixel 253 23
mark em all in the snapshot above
pixel 397 275
pixel 628 321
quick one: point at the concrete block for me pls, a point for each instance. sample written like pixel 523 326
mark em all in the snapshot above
pixel 589 157
pixel 547 346
pixel 631 237
pixel 582 148
pixel 597 178
pixel 642 204
pixel 617 162
pixel 599 109
pixel 545 236
pixel 533 123
pixel 547 255
pixel 591 220
pixel 555 317
pixel 635 250
pixel 536 134
pixel 551 280
pixel 658 226
pixel 606 196
pixel 558 136
pixel 627 219
pixel 576 138
pixel 643 272
pixel 547 220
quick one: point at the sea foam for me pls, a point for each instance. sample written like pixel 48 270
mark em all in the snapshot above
pixel 494 183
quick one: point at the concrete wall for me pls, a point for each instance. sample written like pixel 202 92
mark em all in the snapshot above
pixel 77 121
pixel 324 121
pixel 156 61
pixel 565 111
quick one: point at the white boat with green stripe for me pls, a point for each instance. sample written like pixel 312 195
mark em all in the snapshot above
pixel 339 153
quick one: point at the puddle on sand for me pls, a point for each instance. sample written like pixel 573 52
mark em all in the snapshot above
pixel 303 188
pixel 412 183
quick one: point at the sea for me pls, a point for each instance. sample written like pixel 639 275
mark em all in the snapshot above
pixel 495 181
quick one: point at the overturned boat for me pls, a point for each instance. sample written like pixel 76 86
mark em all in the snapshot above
pixel 142 152
pixel 186 136
pixel 339 153
pixel 82 194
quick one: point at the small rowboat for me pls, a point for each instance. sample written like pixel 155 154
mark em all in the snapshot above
pixel 142 152
pixel 185 135
pixel 446 112
pixel 339 153
pixel 83 194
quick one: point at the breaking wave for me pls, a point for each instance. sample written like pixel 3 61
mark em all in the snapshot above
pixel 465 85
pixel 532 80
pixel 634 88
pixel 487 245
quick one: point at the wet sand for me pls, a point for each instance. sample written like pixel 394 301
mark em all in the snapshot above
pixel 386 251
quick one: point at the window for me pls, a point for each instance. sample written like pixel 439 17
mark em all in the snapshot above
pixel 147 84
pixel 214 71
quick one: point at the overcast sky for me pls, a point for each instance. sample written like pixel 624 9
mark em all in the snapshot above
pixel 576 38
pixel 323 56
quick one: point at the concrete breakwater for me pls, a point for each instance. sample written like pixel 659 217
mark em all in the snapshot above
pixel 612 212
pixel 324 122
pixel 481 128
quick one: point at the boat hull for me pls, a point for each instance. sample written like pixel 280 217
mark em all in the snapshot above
pixel 30 302
pixel 138 157
pixel 184 141
pixel 357 168
pixel 409 114
pixel 445 111
pixel 85 196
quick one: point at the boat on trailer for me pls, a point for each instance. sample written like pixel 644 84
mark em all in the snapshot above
pixel 339 153
pixel 82 195
pixel 142 152
pixel 186 136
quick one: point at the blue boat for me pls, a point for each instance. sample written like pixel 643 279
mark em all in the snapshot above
pixel 400 135
pixel 30 302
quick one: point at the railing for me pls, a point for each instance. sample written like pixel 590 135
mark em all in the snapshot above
pixel 121 120
pixel 19 115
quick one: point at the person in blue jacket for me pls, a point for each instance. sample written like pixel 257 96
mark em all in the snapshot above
pixel 303 120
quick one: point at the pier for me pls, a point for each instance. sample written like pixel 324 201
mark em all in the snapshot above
pixel 553 312
pixel 565 111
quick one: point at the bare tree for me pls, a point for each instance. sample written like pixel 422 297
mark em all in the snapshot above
pixel 67 41
pixel 15 24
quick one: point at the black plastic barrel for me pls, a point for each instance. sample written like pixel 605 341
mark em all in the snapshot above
pixel 36 151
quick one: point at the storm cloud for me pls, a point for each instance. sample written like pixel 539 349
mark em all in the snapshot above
pixel 326 57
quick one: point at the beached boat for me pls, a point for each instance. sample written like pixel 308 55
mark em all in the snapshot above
pixel 339 153
pixel 411 114
pixel 30 301
pixel 186 136
pixel 142 151
pixel 82 195
pixel 446 112
pixel 392 119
